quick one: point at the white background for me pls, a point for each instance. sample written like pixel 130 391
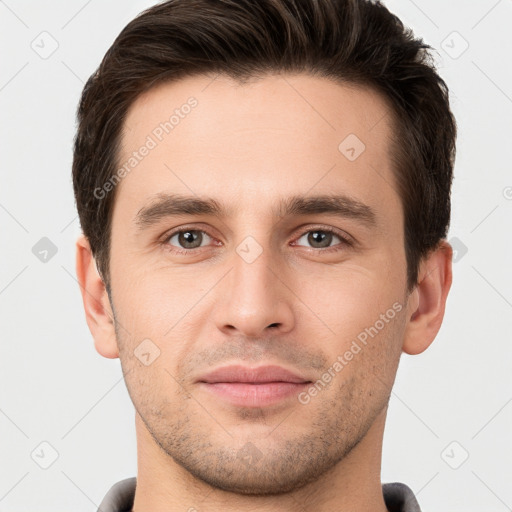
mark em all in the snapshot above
pixel 56 388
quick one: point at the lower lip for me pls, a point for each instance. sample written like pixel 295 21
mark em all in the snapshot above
pixel 245 394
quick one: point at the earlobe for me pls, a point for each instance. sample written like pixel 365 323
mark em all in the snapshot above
pixel 427 302
pixel 98 312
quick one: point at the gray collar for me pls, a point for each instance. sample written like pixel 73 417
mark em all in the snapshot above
pixel 397 496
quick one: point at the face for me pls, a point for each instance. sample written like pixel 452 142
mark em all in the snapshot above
pixel 258 274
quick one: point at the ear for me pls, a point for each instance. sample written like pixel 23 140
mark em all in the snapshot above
pixel 98 313
pixel 427 301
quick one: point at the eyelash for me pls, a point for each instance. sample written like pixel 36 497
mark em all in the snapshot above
pixel 344 240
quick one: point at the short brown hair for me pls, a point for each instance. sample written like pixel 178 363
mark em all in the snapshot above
pixel 349 41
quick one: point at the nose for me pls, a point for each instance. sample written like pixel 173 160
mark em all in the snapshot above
pixel 254 299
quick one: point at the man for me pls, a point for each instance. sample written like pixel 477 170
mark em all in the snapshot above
pixel 264 193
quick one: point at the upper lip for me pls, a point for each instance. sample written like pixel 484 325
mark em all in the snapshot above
pixel 261 374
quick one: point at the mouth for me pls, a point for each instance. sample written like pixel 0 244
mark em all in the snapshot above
pixel 253 387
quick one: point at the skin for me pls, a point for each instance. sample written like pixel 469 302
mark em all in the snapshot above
pixel 295 305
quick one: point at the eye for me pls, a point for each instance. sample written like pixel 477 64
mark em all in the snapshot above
pixel 186 239
pixel 321 238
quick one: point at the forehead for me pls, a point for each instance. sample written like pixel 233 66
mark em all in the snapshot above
pixel 289 133
pixel 317 103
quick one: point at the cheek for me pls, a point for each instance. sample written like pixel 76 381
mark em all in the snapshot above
pixel 152 303
pixel 160 316
pixel 350 297
pixel 361 314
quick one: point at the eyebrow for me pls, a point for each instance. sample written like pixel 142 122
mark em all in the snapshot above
pixel 163 205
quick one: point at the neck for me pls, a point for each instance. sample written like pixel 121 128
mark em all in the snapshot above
pixel 352 485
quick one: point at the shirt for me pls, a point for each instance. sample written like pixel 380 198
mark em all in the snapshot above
pixel 398 497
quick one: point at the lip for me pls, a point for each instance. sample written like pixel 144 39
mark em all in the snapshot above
pixel 253 387
pixel 245 374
